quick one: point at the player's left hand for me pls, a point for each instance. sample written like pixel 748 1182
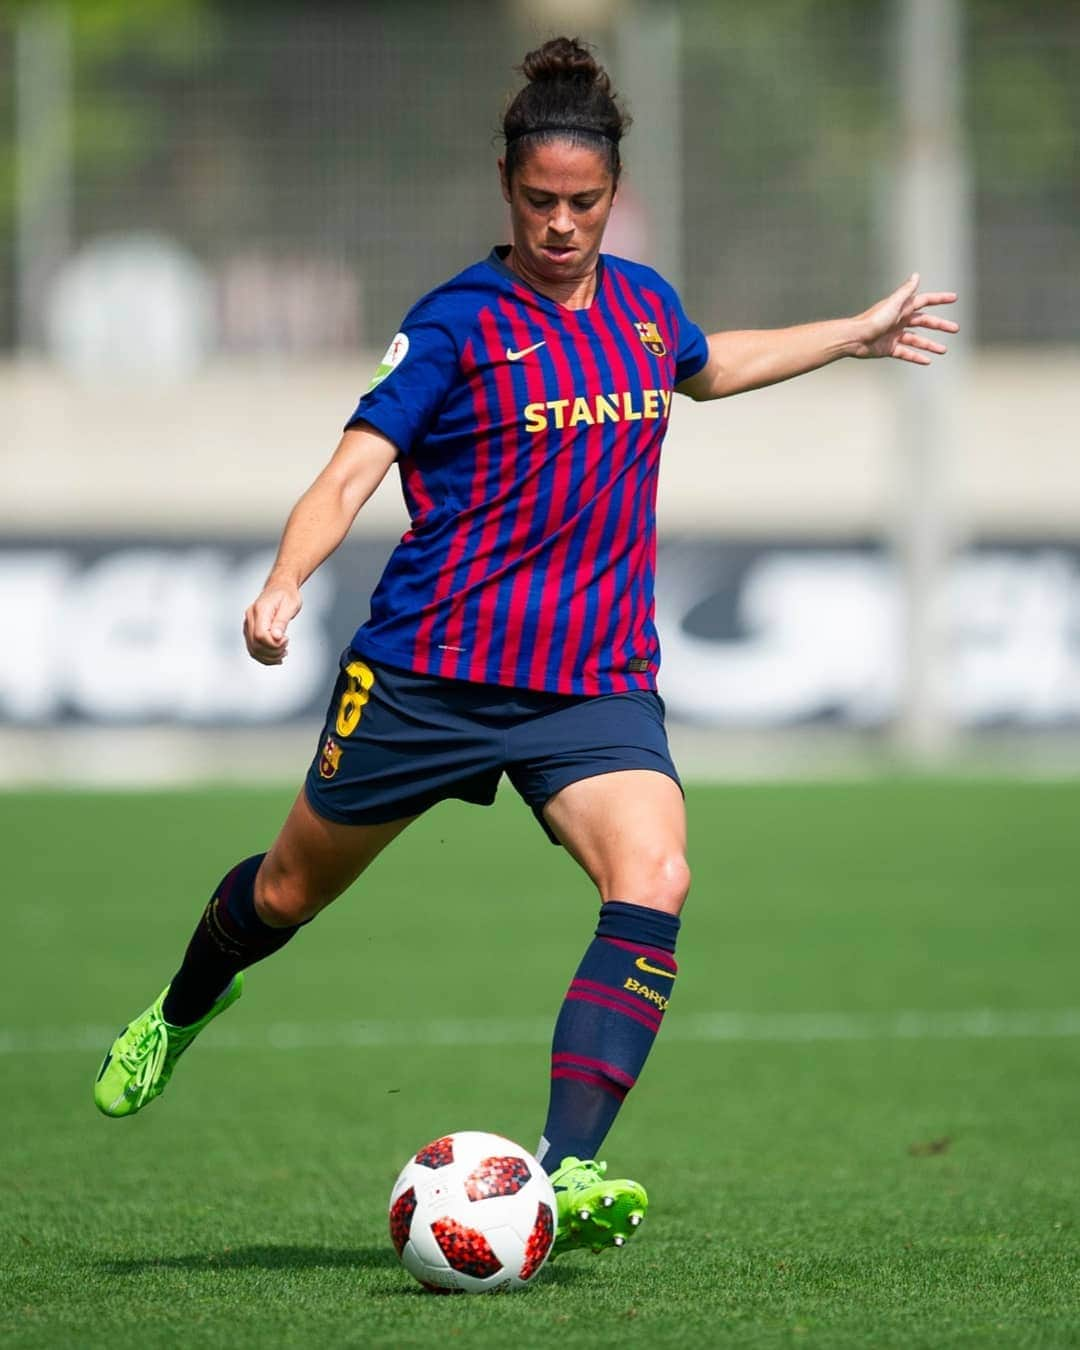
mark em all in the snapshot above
pixel 887 328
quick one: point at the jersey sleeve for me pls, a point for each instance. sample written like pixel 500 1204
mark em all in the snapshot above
pixel 693 348
pixel 412 380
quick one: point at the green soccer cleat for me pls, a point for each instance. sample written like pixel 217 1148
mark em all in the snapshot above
pixel 142 1058
pixel 594 1212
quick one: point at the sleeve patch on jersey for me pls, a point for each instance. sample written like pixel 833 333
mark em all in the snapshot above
pixel 395 354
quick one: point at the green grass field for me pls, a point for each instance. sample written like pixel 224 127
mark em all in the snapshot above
pixel 861 1179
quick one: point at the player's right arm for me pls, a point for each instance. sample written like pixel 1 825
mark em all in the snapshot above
pixel 317 524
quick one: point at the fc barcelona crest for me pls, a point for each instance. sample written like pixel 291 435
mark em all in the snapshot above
pixel 651 339
pixel 330 758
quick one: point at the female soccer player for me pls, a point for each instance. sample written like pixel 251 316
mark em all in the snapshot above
pixel 525 402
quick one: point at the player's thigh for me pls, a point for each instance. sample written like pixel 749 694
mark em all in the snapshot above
pixel 313 860
pixel 627 829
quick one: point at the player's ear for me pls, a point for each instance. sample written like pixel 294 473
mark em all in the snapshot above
pixel 503 181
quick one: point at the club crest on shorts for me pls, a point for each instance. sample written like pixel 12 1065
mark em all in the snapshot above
pixel 330 758
pixel 651 339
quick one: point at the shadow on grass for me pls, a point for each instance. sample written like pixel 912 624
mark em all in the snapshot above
pixel 561 1273
pixel 264 1256
pixel 560 1276
pixel 268 1256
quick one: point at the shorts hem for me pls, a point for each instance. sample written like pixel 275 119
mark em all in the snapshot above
pixel 408 811
pixel 356 817
pixel 595 771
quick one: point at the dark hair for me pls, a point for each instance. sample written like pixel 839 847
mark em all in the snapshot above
pixel 568 97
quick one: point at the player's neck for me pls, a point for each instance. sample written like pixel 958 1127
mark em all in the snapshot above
pixel 573 293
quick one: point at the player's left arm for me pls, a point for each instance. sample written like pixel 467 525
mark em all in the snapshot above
pixel 738 361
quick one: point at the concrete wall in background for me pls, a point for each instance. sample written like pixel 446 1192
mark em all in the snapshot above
pixel 228 451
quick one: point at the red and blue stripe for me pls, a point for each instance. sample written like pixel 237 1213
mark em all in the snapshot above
pixel 531 557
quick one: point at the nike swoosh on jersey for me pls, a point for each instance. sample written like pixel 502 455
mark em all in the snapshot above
pixel 642 964
pixel 516 356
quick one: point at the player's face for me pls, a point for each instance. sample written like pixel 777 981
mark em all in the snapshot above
pixel 560 199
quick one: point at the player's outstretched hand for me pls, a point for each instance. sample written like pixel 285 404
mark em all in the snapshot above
pixel 267 620
pixel 887 328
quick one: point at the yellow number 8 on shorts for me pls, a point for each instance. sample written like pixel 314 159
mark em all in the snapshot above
pixel 358 682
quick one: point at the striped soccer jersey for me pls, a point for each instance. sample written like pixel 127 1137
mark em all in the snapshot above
pixel 529 443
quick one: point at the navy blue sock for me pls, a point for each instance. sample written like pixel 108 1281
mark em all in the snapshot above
pixel 609 1019
pixel 229 937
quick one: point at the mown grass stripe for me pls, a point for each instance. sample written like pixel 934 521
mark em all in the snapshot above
pixel 977 1024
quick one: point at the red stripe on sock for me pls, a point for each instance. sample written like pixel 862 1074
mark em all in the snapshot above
pixel 661 958
pixel 593 1080
pixel 583 996
pixel 635 1002
pixel 609 1070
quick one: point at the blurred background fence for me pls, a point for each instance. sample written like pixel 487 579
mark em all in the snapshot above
pixel 212 218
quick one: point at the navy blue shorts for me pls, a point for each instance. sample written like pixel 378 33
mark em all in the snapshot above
pixel 396 742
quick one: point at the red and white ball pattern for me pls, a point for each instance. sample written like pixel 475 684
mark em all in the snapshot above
pixel 473 1212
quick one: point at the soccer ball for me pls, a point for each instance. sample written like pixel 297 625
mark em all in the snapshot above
pixel 472 1211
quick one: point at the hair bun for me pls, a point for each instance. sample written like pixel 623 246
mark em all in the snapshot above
pixel 569 97
pixel 565 58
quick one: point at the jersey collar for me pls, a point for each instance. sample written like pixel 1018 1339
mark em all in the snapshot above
pixel 497 259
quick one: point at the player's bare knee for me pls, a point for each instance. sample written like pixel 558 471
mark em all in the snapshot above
pixel 674 882
pixel 659 882
pixel 280 901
